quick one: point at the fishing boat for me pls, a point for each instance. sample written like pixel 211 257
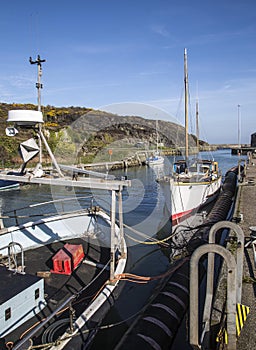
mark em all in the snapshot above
pixel 193 182
pixel 58 276
pixel 155 158
pixel 59 272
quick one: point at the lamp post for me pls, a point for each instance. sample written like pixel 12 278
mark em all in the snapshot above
pixel 238 127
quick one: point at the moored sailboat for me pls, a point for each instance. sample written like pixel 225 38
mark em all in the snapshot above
pixel 155 158
pixel 192 182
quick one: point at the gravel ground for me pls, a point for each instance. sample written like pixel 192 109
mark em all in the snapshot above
pixel 247 207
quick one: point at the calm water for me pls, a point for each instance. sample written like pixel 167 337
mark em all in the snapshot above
pixel 146 209
pixel 150 214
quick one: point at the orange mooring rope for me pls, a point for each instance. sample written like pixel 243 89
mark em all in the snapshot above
pixel 145 279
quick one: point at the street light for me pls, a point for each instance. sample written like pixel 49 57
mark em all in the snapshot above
pixel 238 126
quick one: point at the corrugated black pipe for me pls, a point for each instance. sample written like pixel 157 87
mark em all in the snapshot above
pixel 219 212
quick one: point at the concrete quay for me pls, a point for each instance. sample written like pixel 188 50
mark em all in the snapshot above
pixel 246 211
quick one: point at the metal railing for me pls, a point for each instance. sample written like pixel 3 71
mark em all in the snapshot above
pixel 234 284
pixel 239 254
pixel 231 293
pixel 10 246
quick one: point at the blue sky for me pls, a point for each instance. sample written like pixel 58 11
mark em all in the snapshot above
pixel 128 53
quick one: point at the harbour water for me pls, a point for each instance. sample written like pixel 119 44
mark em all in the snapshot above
pixel 148 260
pixel 146 210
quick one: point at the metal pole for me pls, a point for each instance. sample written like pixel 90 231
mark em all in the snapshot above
pixel 121 225
pixel 50 153
pixel 238 127
pixel 40 145
pixel 112 239
pixel 231 293
pixel 197 126
pixel 39 86
pixel 239 251
pixel 186 102
pixel 210 268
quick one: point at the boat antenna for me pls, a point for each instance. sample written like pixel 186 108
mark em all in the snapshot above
pixel 41 137
pixel 39 85
pixel 186 102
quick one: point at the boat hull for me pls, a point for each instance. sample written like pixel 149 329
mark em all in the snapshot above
pixel 187 197
pixel 155 160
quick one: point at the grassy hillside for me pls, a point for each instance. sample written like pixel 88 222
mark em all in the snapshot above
pixel 83 133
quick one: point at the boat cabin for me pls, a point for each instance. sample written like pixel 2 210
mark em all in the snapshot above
pixel 21 298
pixel 199 166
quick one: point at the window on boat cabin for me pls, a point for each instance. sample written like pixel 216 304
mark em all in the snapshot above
pixel 8 314
pixel 179 167
pixel 37 293
pixel 193 169
pixel 215 167
pixel 205 169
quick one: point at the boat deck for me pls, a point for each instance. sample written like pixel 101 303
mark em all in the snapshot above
pixel 59 287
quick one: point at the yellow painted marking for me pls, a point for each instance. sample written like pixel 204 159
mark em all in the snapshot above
pixel 242 312
pixel 241 315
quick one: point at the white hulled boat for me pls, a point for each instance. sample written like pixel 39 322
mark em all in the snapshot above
pixel 192 183
pixel 155 158
pixel 193 187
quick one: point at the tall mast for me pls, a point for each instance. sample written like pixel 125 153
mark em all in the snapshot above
pixel 156 135
pixel 197 126
pixel 186 102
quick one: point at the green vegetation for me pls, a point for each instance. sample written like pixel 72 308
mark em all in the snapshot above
pixel 82 135
pixel 56 119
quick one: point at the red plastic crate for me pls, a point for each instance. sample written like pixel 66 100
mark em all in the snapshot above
pixel 66 260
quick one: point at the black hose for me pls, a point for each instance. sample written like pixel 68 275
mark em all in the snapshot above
pixel 53 331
